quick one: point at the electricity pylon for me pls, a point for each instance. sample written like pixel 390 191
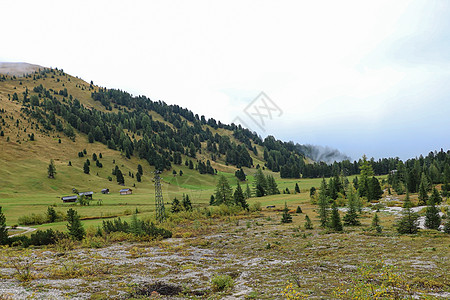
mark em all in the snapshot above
pixel 159 202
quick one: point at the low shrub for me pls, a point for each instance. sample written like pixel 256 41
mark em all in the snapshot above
pixel 220 283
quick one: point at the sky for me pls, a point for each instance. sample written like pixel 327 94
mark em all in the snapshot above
pixel 364 77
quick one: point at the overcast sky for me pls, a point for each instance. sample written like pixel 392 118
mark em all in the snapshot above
pixel 367 77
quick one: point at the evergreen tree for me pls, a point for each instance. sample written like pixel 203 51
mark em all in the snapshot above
pixel 286 217
pixel 76 230
pixel 272 187
pixel 308 223
pixel 212 200
pixel 366 173
pixel 187 205
pixel 240 174
pixel 140 170
pixel 323 204
pixel 435 197
pixel 299 210
pixel 423 195
pixel 297 189
pixel 409 221
pixel 119 176
pixel 239 198
pixel 351 217
pixel 86 169
pixel 224 193
pixel 176 206
pixel 335 222
pixel 51 171
pixel 374 191
pixel 248 192
pixel 376 223
pixel 51 214
pixel 432 217
pixel 138 177
pixel 260 183
pixel 3 230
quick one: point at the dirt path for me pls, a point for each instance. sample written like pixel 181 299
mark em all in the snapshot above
pixel 27 230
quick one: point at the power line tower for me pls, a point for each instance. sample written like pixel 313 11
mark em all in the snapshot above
pixel 159 202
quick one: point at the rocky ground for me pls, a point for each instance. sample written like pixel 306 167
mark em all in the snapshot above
pixel 261 256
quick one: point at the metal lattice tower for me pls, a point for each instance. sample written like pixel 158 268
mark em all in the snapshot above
pixel 159 202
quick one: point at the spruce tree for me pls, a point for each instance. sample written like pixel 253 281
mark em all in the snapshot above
pixel 297 189
pixel 248 192
pixel 51 214
pixel 286 217
pixel 376 223
pixel 423 195
pixel 3 230
pixel 272 187
pixel 323 204
pixel 176 206
pixel 435 197
pixel 187 205
pixel 351 217
pixel 409 220
pixel 86 168
pixel 224 193
pixel 335 221
pixel 212 200
pixel 260 183
pixel 51 171
pixel 308 223
pixel 432 217
pixel 76 230
pixel 239 198
pixel 299 210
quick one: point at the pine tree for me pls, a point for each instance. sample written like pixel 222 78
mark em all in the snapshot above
pixel 323 204
pixel 51 171
pixel 299 210
pixel 176 206
pixel 286 217
pixel 297 189
pixel 308 223
pixel 432 217
pixel 76 230
pixel 260 183
pixel 248 192
pixel 224 193
pixel 119 176
pixel 86 168
pixel 3 230
pixel 140 170
pixel 423 195
pixel 239 198
pixel 138 177
pixel 272 187
pixel 351 217
pixel 435 197
pixel 376 223
pixel 212 200
pixel 51 214
pixel 335 222
pixel 366 172
pixel 186 202
pixel 409 221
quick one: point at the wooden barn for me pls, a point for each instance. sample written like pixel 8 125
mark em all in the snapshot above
pixel 66 199
pixel 126 191
pixel 87 194
pixel 105 191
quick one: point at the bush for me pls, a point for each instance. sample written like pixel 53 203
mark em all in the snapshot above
pixel 41 238
pixel 221 282
pixel 33 219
